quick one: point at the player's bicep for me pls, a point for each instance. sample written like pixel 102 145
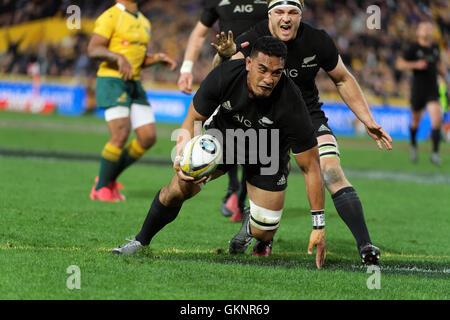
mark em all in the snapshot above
pixel 339 73
pixel 194 115
pixel 97 41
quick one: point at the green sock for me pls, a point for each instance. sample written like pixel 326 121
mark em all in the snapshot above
pixel 130 154
pixel 108 165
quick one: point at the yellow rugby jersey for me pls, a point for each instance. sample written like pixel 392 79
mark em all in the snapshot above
pixel 129 35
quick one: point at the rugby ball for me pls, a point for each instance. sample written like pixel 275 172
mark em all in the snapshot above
pixel 200 156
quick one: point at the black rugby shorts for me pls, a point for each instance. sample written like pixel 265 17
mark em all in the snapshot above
pixel 274 182
pixel 420 97
pixel 320 122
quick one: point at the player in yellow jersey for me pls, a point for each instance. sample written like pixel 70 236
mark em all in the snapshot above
pixel 121 40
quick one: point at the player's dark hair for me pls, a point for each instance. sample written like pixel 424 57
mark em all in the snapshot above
pixel 270 46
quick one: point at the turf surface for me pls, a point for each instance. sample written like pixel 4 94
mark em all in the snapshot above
pixel 49 223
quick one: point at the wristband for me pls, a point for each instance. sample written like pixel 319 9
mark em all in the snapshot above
pixel 318 219
pixel 186 67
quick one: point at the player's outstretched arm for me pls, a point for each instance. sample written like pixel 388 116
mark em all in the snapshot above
pixel 195 43
pixel 98 49
pixel 353 96
pixel 163 58
pixel 191 124
pixel 309 163
pixel 226 48
pixel 402 64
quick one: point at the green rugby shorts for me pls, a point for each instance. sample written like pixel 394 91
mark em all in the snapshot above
pixel 113 92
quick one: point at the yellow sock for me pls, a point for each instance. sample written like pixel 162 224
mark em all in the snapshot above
pixel 135 150
pixel 111 153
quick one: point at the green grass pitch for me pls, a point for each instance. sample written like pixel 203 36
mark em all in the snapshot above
pixel 48 224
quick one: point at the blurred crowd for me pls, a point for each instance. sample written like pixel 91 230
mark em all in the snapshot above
pixel 369 53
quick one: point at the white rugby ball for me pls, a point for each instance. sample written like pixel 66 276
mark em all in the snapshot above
pixel 200 156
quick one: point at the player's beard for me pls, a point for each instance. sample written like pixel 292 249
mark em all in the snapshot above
pixel 257 96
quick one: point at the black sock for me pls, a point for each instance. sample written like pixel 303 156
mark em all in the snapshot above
pixel 233 182
pixel 157 218
pixel 242 190
pixel 436 139
pixel 413 134
pixel 350 210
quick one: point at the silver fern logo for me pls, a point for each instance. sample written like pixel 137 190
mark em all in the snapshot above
pixel 265 122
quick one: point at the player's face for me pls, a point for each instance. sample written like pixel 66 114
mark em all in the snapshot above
pixel 425 31
pixel 264 72
pixel 284 22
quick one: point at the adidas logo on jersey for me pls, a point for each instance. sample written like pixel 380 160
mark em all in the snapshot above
pixel 226 105
pixel 282 180
pixel 323 128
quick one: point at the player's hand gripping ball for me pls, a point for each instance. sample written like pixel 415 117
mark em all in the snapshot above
pixel 200 156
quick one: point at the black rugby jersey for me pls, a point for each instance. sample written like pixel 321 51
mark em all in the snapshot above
pixel 235 15
pixel 311 50
pixel 284 109
pixel 427 77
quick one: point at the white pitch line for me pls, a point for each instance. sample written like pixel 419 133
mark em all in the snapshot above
pixel 413 269
pixel 408 269
pixel 398 176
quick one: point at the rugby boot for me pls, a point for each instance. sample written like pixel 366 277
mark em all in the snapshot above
pixel 370 254
pixel 262 248
pixel 435 159
pixel 228 203
pixel 243 238
pixel 237 213
pixel 131 247
pixel 115 188
pixel 103 194
pixel 413 154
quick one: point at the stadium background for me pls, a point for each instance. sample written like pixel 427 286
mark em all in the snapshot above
pixel 35 43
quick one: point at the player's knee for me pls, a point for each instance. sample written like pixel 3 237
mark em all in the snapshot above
pixel 147 141
pixel 120 136
pixel 332 173
pixel 174 194
pixel 262 235
pixel 263 221
pixel 173 197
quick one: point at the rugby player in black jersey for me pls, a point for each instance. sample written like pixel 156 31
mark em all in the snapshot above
pixel 237 16
pixel 256 99
pixel 310 49
pixel 422 57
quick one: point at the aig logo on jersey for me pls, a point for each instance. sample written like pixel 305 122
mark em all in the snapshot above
pixel 243 8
